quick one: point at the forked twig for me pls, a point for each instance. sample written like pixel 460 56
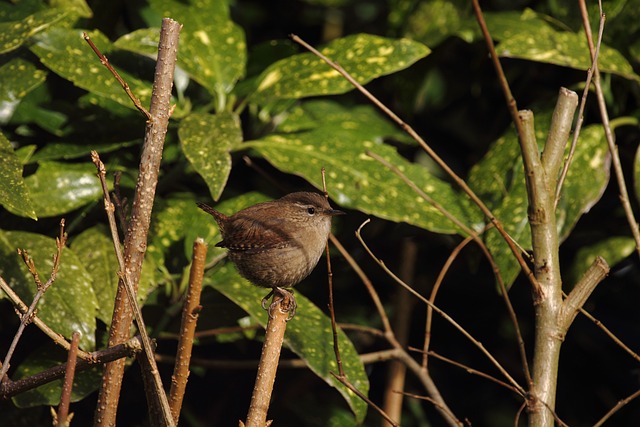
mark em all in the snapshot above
pixel 27 317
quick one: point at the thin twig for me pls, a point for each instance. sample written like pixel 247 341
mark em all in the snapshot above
pixel 617 407
pixel 63 417
pixel 104 61
pixel 332 312
pixel 613 148
pixel 448 318
pixel 41 289
pixel 22 308
pixel 580 121
pixel 471 370
pixel 345 381
pixel 472 235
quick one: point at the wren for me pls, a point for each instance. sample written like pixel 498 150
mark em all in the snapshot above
pixel 277 244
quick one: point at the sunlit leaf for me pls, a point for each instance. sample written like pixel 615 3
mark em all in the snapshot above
pixel 356 180
pixel 57 188
pixel 69 304
pixel 364 56
pixel 14 33
pixel 206 141
pixel 17 78
pixel 65 52
pixel 14 195
pixel 212 46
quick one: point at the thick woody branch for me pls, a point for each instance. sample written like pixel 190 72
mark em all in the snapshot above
pixel 190 314
pixel 561 122
pixel 268 365
pixel 138 227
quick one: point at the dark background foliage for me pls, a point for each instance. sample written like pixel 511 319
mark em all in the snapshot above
pixel 451 97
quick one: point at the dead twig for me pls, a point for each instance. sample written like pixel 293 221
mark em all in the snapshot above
pixel 27 318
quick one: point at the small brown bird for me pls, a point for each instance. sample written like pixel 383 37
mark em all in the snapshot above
pixel 277 244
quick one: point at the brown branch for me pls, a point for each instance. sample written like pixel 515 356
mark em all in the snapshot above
pixel 41 289
pixel 104 61
pixel 268 365
pixel 12 388
pixel 138 227
pixel 190 315
pixel 616 408
pixel 63 417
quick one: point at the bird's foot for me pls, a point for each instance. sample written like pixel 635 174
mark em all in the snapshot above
pixel 283 298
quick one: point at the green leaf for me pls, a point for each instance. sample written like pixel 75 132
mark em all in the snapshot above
pixel 612 249
pixel 65 52
pixel 84 383
pixel 212 46
pixel 58 188
pixel 17 78
pixel 13 192
pixel 364 56
pixel 308 335
pixel 357 181
pixel 498 179
pixel 95 249
pixel 13 34
pixel 206 141
pixel 69 304
pixel 567 49
pixel 360 119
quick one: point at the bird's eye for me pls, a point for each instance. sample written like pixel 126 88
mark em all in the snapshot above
pixel 311 210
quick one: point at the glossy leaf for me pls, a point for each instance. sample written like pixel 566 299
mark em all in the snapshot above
pixel 356 180
pixel 206 141
pixel 564 48
pixel 308 335
pixel 94 248
pixel 14 195
pixel 499 180
pixel 58 188
pixel 17 78
pixel 65 52
pixel 14 33
pixel 84 383
pixel 212 46
pixel 69 304
pixel 612 249
pixel 364 56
